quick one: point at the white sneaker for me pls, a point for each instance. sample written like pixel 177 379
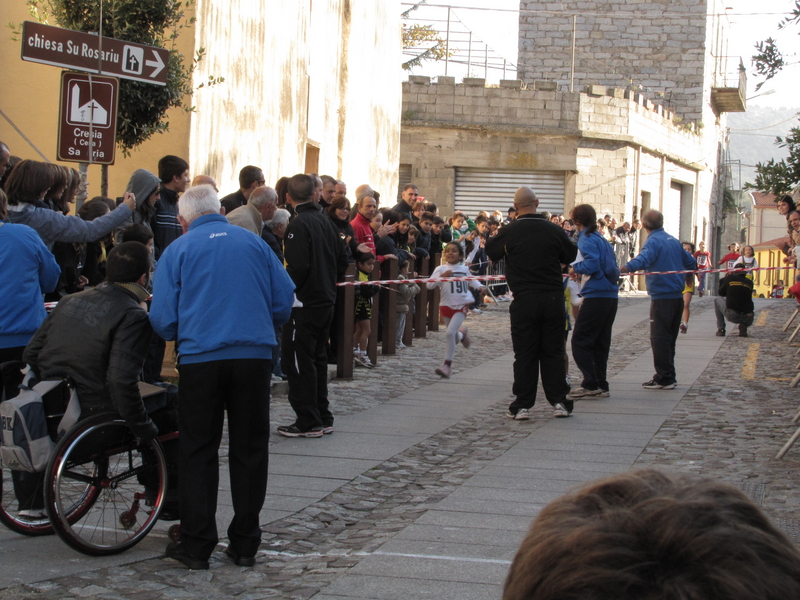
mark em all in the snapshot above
pixel 522 414
pixel 583 392
pixel 560 411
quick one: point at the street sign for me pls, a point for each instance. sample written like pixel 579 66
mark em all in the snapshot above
pixel 81 51
pixel 88 118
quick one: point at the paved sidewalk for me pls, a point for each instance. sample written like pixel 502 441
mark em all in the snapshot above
pixel 426 488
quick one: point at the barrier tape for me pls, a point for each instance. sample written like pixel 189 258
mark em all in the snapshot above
pixel 382 282
pixel 502 277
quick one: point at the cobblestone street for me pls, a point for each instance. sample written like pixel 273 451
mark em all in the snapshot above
pixel 426 488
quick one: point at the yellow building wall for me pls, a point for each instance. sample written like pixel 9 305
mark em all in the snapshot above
pixel 298 75
pixel 764 280
pixel 29 96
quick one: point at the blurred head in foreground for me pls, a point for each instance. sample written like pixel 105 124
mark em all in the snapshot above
pixel 647 535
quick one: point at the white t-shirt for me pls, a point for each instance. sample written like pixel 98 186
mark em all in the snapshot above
pixel 455 294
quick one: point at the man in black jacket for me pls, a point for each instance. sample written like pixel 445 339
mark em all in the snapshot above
pixel 534 250
pixel 315 260
pixel 99 338
pixel 735 301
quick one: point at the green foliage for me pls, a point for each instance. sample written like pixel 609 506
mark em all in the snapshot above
pixel 142 106
pixel 418 35
pixel 778 177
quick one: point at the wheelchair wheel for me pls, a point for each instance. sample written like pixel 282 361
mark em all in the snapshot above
pixel 118 485
pixel 13 512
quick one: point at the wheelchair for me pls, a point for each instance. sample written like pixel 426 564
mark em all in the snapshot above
pixel 102 490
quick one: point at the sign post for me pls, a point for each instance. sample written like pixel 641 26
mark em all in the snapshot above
pixel 87 124
pixel 84 52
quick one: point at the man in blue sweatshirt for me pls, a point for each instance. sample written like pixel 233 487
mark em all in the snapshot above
pixel 223 316
pixel 662 252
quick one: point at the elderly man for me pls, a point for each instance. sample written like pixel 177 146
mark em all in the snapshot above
pixel 315 260
pixel 662 252
pixel 260 208
pixel 340 189
pixel 222 315
pixel 250 178
pixel 534 250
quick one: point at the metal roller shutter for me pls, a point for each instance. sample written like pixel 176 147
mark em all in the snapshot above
pixel 486 189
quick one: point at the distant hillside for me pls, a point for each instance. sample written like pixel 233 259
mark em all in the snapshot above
pixel 752 138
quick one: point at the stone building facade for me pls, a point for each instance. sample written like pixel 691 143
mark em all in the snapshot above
pixel 643 128
pixel 609 147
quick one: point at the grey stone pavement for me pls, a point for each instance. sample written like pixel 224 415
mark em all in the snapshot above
pixel 426 488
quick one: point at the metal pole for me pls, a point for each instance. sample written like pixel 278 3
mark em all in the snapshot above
pixel 447 44
pixel 486 62
pixel 469 56
pixel 572 65
pixel 504 68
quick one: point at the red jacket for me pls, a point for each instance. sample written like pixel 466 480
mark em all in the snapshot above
pixel 362 231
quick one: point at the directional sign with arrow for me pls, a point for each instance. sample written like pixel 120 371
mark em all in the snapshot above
pixel 85 52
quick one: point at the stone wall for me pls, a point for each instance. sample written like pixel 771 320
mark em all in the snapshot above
pixel 661 47
pixel 611 144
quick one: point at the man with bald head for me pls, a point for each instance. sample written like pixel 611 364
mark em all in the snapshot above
pixel 205 180
pixel 535 250
pixel 662 252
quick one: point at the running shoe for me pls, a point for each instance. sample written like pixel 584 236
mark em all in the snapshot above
pixel 583 393
pixel 465 337
pixel 293 432
pixel 560 411
pixel 444 371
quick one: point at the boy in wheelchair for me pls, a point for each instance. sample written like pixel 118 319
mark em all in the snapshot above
pixel 98 339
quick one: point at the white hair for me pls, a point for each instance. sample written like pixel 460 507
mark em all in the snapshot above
pixel 198 200
pixel 281 217
pixel 262 196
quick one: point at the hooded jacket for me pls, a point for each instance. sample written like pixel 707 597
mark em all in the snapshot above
pixel 141 184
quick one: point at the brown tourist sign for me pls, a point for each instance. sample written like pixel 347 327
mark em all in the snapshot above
pixel 87 125
pixel 82 51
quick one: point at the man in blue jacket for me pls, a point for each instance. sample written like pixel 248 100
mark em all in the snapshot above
pixel 223 317
pixel 662 252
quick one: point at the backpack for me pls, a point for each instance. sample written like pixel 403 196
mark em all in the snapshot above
pixel 25 441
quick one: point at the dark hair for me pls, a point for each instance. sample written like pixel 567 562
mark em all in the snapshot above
pixel 362 257
pixel 690 244
pixel 109 202
pixel 430 207
pixel 281 188
pixel 137 233
pixel 585 215
pixel 339 202
pixel 301 187
pixel 249 175
pixel 438 221
pixel 127 262
pixel 787 199
pixel 27 182
pixel 481 219
pixel 656 536
pixel 60 177
pixel 653 220
pixel 457 245
pixel 410 186
pixel 91 210
pixel 390 215
pixel 326 179
pixel 171 166
pixel 427 216
pixel 13 161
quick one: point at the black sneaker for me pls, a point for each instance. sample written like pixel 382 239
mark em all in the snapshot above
pixel 177 551
pixel 652 385
pixel 293 432
pixel 720 333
